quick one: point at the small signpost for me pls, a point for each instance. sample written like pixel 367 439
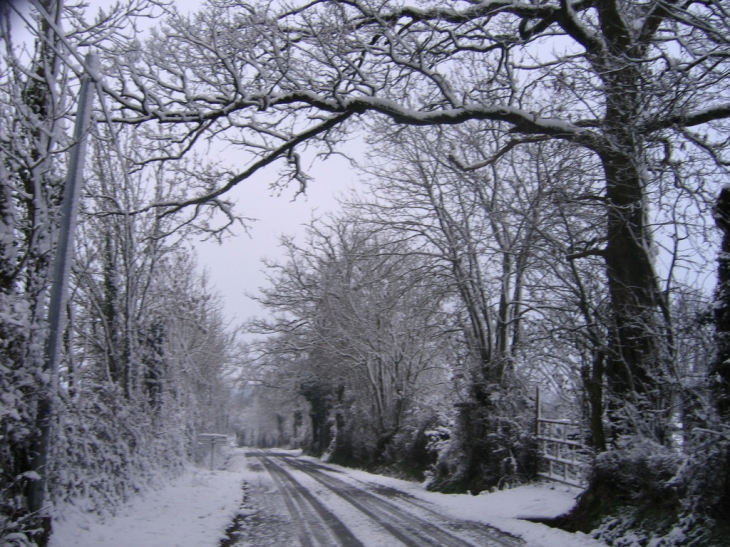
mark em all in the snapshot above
pixel 212 440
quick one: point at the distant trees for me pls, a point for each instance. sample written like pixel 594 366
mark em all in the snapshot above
pixel 364 317
pixel 270 404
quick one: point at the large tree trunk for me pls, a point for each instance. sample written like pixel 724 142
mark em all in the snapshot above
pixel 721 366
pixel 639 344
pixel 634 370
pixel 592 377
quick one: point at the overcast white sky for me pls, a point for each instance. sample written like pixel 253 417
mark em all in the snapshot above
pixel 235 266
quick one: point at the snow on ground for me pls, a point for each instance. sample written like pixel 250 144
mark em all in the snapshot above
pixel 195 510
pixel 504 509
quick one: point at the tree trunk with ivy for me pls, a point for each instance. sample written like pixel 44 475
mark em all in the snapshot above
pixel 721 366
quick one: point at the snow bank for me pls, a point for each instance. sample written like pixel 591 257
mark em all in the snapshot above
pixel 193 510
pixel 507 510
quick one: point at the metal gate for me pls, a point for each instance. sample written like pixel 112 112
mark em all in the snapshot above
pixel 562 456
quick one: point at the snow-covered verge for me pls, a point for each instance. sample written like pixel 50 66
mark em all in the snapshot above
pixel 195 510
pixel 503 509
pixel 508 509
pixel 192 510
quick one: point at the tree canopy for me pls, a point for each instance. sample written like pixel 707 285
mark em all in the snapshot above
pixel 544 158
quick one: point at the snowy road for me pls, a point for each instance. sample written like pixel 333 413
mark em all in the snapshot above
pixel 289 500
pixel 325 509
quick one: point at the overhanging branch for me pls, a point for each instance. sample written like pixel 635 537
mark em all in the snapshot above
pixel 269 158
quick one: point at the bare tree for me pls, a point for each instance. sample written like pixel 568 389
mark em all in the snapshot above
pixel 148 337
pixel 43 49
pixel 363 311
pixel 638 86
pixel 506 241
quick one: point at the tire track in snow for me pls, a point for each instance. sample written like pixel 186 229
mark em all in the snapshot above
pixel 408 528
pixel 424 506
pixel 308 511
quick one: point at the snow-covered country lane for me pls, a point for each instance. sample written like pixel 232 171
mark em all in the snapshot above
pixel 299 501
pixel 260 498
pixel 329 508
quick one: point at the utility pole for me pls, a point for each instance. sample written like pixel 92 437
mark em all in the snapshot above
pixel 37 487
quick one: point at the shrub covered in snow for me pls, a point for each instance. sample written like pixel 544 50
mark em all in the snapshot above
pixel 643 494
pixel 490 446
